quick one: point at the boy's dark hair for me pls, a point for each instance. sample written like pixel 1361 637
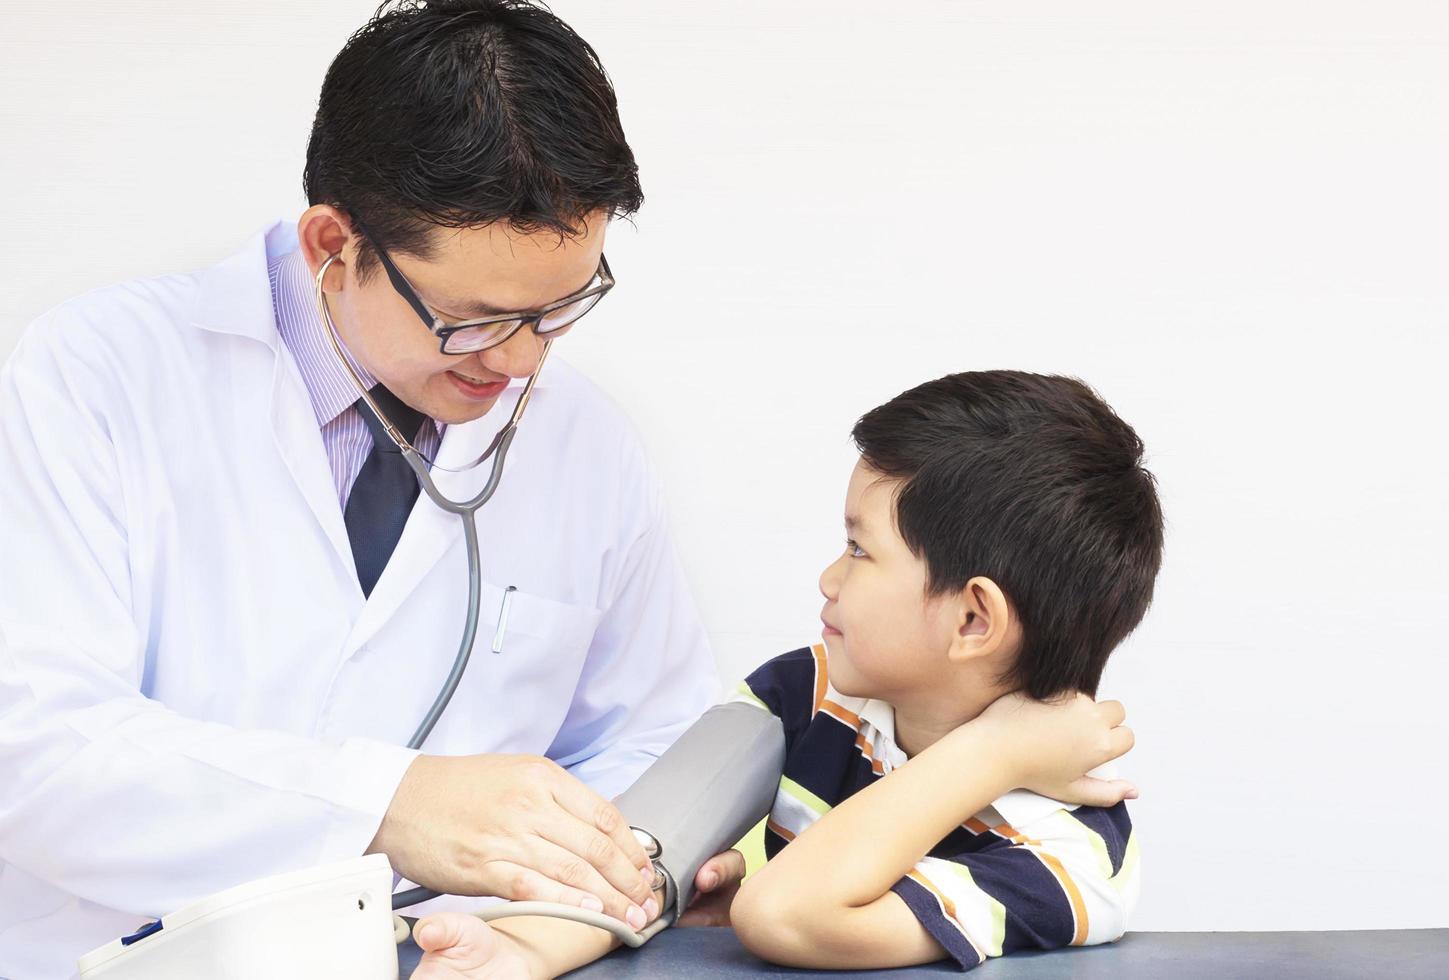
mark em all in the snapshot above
pixel 1034 482
pixel 461 113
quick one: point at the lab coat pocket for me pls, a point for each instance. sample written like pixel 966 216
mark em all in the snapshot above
pixel 527 660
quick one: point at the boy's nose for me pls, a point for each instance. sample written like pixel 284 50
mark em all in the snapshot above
pixel 830 579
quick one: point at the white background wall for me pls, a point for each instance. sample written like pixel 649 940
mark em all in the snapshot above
pixel 1230 217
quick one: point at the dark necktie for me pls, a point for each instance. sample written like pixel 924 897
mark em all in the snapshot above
pixel 385 489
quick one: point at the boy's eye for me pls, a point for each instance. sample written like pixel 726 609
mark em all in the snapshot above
pixel 854 549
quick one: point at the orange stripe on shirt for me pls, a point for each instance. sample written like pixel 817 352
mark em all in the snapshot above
pixel 840 713
pixel 770 823
pixel 950 909
pixel 1012 834
pixel 925 883
pixel 1069 887
pixel 868 750
pixel 818 652
pixel 1074 895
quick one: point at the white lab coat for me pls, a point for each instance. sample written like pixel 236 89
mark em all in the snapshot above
pixel 193 690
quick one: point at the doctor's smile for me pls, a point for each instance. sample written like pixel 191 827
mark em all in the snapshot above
pixel 478 389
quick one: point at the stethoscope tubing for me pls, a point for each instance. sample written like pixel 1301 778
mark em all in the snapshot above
pixel 467 510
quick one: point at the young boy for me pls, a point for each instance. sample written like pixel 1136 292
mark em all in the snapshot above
pixel 1002 539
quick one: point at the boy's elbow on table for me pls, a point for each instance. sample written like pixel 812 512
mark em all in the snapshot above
pixel 771 923
pixel 764 924
pixel 804 928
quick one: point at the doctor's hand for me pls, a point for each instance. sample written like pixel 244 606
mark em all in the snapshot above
pixel 516 826
pixel 715 886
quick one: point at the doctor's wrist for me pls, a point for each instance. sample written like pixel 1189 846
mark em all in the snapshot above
pixel 399 826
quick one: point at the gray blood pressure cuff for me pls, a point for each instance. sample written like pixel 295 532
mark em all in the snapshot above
pixel 705 793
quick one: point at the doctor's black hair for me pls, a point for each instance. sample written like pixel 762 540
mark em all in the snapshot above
pixel 1034 482
pixel 462 113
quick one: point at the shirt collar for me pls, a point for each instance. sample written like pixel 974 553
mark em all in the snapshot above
pixel 1018 807
pixel 328 384
pixel 881 715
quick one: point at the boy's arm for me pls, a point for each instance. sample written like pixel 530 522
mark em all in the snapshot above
pixel 825 901
pixel 458 946
pixel 552 947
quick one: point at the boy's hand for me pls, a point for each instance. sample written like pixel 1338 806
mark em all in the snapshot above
pixel 463 947
pixel 1050 746
pixel 715 887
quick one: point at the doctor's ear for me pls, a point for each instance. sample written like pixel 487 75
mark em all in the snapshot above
pixel 984 622
pixel 324 231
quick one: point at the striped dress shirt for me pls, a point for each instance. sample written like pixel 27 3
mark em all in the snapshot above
pixel 334 396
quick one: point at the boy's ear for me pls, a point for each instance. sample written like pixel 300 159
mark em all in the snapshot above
pixel 985 623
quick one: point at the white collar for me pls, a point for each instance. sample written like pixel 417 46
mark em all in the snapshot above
pixel 1018 808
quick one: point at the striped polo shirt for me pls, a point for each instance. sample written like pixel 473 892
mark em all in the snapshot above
pixel 1025 873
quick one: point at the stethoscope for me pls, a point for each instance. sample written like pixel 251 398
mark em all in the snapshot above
pixel 468 511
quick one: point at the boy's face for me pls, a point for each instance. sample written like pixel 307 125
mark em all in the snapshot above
pixel 883 637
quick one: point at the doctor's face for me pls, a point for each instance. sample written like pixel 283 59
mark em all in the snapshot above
pixel 473 272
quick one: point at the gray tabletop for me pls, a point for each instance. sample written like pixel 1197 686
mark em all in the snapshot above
pixel 1409 954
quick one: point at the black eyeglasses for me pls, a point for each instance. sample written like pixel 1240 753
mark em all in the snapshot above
pixel 471 336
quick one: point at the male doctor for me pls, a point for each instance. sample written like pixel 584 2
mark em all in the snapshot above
pixel 225 605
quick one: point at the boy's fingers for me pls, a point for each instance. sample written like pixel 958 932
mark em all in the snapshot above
pixel 705 913
pixel 1112 712
pixel 1090 791
pixel 457 945
pixel 1120 741
pixel 1123 790
pixel 722 869
pixel 437 932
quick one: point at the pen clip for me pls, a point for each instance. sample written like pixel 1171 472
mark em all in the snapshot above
pixel 503 618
